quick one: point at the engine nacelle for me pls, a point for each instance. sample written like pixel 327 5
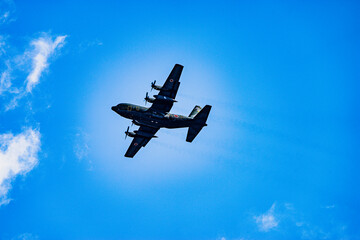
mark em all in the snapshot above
pixel 164 98
pixel 154 86
pixel 130 134
pixel 149 99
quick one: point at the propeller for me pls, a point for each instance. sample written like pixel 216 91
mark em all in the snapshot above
pixel 153 85
pixel 146 97
pixel 127 132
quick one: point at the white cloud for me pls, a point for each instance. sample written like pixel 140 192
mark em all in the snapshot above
pixel 299 224
pixel 26 236
pixel 4 16
pixel 89 44
pixel 267 221
pixel 7 9
pixel 81 147
pixel 36 60
pixel 44 47
pixel 81 150
pixel 18 156
pixel 289 206
pixel 2 45
pixel 5 79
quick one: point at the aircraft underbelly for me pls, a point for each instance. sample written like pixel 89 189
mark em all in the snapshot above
pixel 177 124
pixel 162 122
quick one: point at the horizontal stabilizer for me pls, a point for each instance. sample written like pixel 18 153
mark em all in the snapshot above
pixel 193 132
pixel 195 111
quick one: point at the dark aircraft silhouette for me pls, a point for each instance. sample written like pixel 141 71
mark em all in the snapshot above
pixel 157 116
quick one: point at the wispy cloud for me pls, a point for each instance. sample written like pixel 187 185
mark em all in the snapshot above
pixel 5 75
pixel 26 236
pixel 81 147
pixel 7 8
pixel 35 60
pixel 301 224
pixel 89 44
pixel 5 80
pixel 2 45
pixel 4 16
pixel 267 221
pixel 18 156
pixel 43 48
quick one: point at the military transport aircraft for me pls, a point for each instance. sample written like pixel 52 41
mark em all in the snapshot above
pixel 157 116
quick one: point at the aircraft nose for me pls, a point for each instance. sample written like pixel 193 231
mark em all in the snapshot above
pixel 113 108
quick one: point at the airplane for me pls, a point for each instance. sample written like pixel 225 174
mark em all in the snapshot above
pixel 157 116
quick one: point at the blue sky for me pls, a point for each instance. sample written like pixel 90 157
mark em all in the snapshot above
pixel 278 160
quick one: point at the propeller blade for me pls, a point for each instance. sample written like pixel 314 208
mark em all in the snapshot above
pixel 146 97
pixel 127 131
pixel 152 85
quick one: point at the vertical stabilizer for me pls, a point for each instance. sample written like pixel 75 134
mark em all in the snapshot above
pixel 199 122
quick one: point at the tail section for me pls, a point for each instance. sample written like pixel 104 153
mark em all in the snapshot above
pixel 199 121
pixel 195 111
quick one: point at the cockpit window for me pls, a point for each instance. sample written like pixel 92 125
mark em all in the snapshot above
pixel 122 107
pixel 130 107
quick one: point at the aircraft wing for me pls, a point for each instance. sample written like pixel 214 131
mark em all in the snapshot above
pixel 169 89
pixel 142 137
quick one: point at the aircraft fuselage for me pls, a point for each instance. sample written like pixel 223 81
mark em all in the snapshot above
pixel 143 116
